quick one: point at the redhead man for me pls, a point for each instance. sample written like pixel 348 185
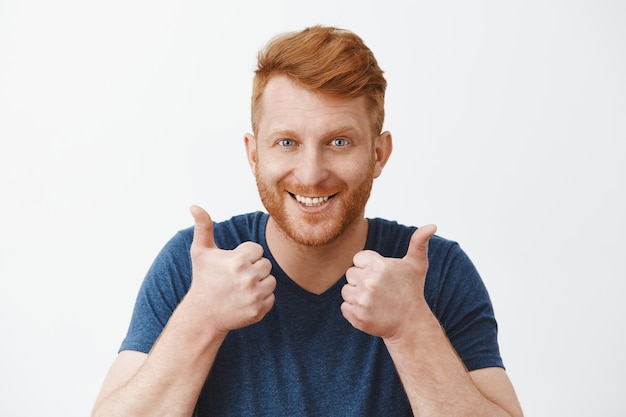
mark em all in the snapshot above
pixel 310 308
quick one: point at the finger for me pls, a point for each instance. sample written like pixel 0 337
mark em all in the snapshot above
pixel 354 276
pixel 264 268
pixel 268 303
pixel 349 312
pixel 203 228
pixel 268 284
pixel 348 293
pixel 250 251
pixel 364 258
pixel 418 246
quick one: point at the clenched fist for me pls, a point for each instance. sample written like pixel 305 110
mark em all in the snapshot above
pixel 385 296
pixel 234 288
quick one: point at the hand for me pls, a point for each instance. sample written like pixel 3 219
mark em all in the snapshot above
pixel 234 288
pixel 385 296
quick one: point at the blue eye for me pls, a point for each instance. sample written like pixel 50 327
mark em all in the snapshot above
pixel 340 142
pixel 286 142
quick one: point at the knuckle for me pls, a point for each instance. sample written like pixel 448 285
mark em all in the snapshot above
pixel 270 281
pixel 256 312
pixel 195 252
pixel 250 249
pixel 265 265
pixel 365 300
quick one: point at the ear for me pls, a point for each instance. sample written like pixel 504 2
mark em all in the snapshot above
pixel 383 146
pixel 250 143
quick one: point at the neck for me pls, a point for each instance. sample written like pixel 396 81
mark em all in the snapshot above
pixel 316 268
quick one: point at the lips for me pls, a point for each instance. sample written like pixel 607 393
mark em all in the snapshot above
pixel 311 201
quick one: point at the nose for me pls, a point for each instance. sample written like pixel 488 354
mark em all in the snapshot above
pixel 311 167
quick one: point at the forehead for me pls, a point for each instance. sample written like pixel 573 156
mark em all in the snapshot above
pixel 287 106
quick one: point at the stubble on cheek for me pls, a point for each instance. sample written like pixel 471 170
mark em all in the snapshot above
pixel 315 229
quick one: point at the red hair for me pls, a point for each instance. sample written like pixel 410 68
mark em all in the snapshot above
pixel 328 60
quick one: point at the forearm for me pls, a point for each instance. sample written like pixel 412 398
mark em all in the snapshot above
pixel 434 377
pixel 169 381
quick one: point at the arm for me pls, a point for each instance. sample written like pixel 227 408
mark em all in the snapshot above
pixel 437 383
pixel 229 290
pixel 385 297
pixel 168 380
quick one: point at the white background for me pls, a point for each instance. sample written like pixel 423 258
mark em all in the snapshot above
pixel 509 121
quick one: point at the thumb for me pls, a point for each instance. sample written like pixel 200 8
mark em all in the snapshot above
pixel 203 228
pixel 418 246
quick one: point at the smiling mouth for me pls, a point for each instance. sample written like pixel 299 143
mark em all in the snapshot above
pixel 311 201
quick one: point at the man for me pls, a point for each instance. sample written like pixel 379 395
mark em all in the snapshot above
pixel 311 309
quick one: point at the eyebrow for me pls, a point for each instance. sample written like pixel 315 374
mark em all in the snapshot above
pixel 282 132
pixel 336 131
pixel 341 129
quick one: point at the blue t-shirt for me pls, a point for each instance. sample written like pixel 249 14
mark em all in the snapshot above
pixel 304 358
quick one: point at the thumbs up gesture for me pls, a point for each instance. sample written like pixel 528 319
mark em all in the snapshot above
pixel 232 288
pixel 385 296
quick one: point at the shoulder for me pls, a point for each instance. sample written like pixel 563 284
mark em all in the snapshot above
pixel 228 234
pixel 448 264
pixel 232 232
pixel 390 238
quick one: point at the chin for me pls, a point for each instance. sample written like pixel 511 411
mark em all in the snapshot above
pixel 313 230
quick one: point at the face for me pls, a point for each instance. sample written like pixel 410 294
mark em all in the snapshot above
pixel 314 159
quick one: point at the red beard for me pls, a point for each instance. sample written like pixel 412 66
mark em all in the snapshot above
pixel 319 228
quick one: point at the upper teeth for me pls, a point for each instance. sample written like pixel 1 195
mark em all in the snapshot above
pixel 311 201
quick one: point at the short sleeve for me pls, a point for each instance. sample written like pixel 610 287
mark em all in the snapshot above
pixel 462 304
pixel 165 284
